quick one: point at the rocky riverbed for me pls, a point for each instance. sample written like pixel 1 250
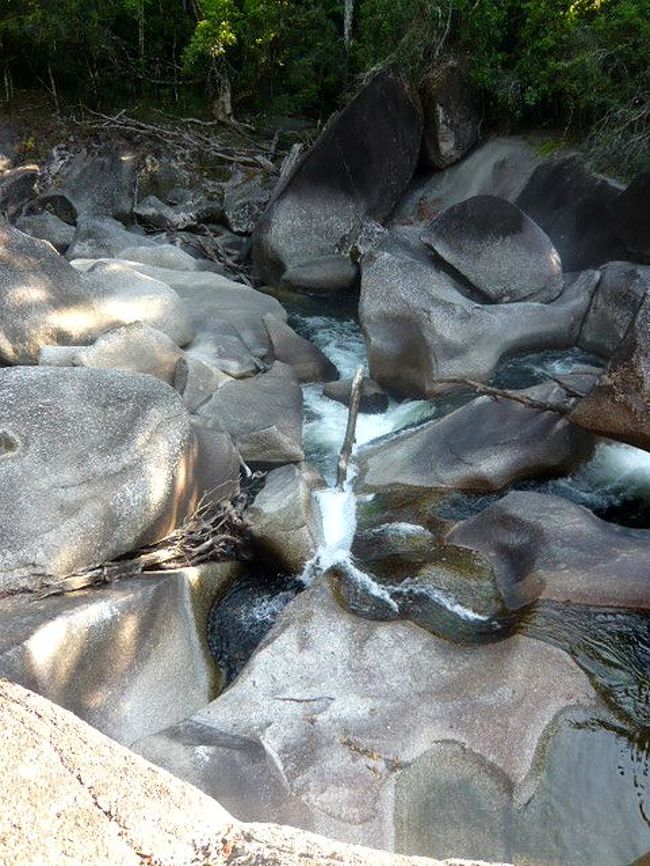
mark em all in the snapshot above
pixel 449 655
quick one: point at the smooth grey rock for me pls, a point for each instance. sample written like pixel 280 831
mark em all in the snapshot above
pixel 107 463
pixel 332 724
pixel 96 238
pixel 452 116
pixel 374 400
pixel 307 361
pixel 620 291
pixel 501 166
pixel 101 653
pixel 245 197
pixel 631 218
pixel 47 227
pixel 263 415
pixel 196 382
pixel 358 168
pixel 164 256
pixel 17 187
pixel 322 275
pixel 483 446
pixel 421 327
pixel 134 348
pixel 575 208
pixel 284 520
pixel 618 406
pixel 498 249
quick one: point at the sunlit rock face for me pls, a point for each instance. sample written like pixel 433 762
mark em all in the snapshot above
pixel 359 168
pixel 494 245
pixel 44 301
pixel 93 464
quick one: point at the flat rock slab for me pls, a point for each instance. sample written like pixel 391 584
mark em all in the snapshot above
pixel 93 464
pixel 130 659
pixel 500 250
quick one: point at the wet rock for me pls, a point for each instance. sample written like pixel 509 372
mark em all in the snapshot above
pixel 134 348
pixel 245 197
pixel 483 446
pixel 452 116
pixel 619 293
pixel 263 415
pixel 618 406
pixel 100 654
pixel 374 400
pixel 107 464
pixel 47 227
pixel 575 208
pixel 345 724
pixel 501 166
pixel 498 249
pixel 94 785
pixel 546 547
pixel 45 302
pixel 632 220
pixel 96 238
pixel 93 182
pixel 284 519
pixel 322 275
pixel 307 361
pixel 358 168
pixel 17 187
pixel 421 326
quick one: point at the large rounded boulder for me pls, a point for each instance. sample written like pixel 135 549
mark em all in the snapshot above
pixel 500 250
pixel 93 464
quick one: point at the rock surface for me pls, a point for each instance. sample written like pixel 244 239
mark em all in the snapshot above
pixel 498 249
pixel 452 117
pixel 104 805
pixel 307 361
pixel 374 400
pixel 107 463
pixel 358 168
pixel 632 220
pixel 483 446
pixel 96 237
pixel 47 227
pixel 322 275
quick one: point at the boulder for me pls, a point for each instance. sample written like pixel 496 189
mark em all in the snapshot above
pixel 163 256
pixel 196 382
pixel 263 415
pixel 368 730
pixel 620 291
pixel 545 547
pixel 322 275
pixel 421 327
pixel 17 187
pixel 9 141
pixel 245 197
pixel 575 208
pixel 501 166
pixel 284 520
pixel 163 176
pixel 618 406
pixel 96 237
pixel 632 220
pixel 452 116
pixel 374 400
pixel 101 653
pixel 483 446
pixel 495 246
pixel 358 168
pixel 134 348
pixel 99 182
pixel 307 361
pixel 107 464
pixel 156 214
pixel 47 227
pixel 80 797
pixel 45 302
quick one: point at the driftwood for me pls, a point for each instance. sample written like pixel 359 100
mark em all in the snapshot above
pixel 348 442
pixel 212 533
pixel 501 394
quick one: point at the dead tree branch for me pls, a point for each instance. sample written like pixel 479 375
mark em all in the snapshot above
pixel 501 394
pixel 348 442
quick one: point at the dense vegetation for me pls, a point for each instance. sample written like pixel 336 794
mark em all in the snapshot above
pixel 576 65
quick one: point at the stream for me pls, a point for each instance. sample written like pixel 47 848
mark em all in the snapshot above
pixel 614 484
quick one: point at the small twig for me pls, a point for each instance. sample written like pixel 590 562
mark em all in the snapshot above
pixel 499 393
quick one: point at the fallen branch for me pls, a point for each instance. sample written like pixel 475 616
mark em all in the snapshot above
pixel 500 393
pixel 348 441
pixel 213 532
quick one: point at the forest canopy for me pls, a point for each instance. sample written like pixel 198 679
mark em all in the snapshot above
pixel 581 65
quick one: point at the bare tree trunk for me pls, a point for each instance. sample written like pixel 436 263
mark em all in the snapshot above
pixel 348 442
pixel 348 21
pixel 53 89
